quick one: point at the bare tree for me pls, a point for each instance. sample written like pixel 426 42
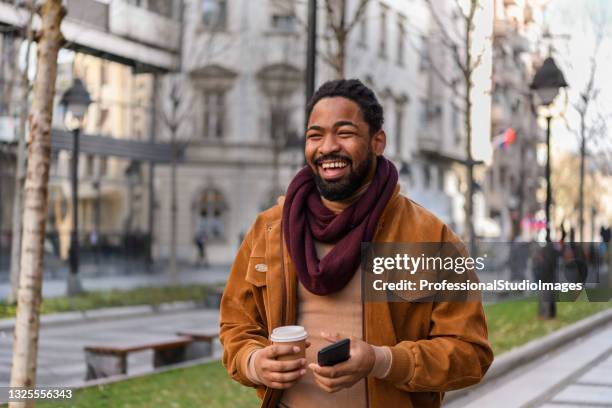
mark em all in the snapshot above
pixel 20 171
pixel 586 104
pixel 173 116
pixel 25 348
pixel 340 24
pixel 459 45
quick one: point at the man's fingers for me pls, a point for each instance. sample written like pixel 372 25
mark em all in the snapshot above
pixel 284 366
pixel 340 382
pixel 280 386
pixel 277 351
pixel 286 377
pixel 336 371
pixel 325 385
pixel 331 337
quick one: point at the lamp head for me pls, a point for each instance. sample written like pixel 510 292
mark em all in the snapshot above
pixel 75 101
pixel 547 81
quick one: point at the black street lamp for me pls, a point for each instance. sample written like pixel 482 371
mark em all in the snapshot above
pixel 75 102
pixel 311 50
pixel 547 82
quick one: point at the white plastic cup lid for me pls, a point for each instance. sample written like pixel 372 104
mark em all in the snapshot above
pixel 285 334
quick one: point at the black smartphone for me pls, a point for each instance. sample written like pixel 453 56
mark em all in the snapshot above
pixel 334 353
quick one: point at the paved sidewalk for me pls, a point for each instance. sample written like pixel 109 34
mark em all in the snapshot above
pixel 578 374
pixel 61 360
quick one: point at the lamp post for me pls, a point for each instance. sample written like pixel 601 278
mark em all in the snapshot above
pixel 311 53
pixel 547 82
pixel 75 102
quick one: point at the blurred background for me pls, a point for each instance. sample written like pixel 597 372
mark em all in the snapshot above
pixel 196 123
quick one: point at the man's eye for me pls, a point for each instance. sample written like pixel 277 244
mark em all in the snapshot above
pixel 346 133
pixel 313 136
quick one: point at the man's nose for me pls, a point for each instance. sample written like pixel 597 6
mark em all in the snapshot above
pixel 330 145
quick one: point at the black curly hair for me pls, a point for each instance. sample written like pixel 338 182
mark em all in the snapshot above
pixel 357 92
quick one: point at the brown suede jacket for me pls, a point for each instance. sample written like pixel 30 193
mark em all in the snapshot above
pixel 436 347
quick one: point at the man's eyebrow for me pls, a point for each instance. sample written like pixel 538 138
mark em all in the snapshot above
pixel 315 127
pixel 345 123
pixel 336 125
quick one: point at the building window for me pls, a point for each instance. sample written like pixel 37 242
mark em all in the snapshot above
pixel 401 38
pixel 426 177
pixel 161 7
pixel 103 166
pixel 214 114
pixel 399 122
pixel 104 74
pixel 441 178
pixel 211 209
pixel 423 112
pixel 89 165
pixel 284 23
pixel 283 16
pixel 214 14
pixel 103 118
pixel 424 54
pixel 279 125
pixel 382 45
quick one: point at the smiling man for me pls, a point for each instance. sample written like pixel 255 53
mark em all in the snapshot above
pixel 299 264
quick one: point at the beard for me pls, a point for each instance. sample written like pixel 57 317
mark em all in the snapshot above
pixel 342 189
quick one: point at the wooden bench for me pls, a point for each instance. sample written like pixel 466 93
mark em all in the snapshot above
pixel 109 360
pixel 202 345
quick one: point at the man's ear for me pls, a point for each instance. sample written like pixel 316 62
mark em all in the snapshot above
pixel 379 142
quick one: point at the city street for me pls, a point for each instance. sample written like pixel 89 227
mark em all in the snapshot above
pixel 61 360
pixel 578 374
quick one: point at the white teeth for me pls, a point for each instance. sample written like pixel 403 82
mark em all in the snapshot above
pixel 333 165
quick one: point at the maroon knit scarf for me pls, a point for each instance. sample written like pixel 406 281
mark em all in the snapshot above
pixel 306 220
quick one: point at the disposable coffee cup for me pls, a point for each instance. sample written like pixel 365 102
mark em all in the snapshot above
pixel 290 336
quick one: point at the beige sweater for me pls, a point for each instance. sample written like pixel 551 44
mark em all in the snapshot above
pixel 341 313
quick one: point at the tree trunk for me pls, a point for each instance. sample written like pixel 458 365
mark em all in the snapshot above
pixel 173 214
pixel 341 55
pixel 581 191
pixel 20 176
pixel 25 349
pixel 469 199
pixel 341 37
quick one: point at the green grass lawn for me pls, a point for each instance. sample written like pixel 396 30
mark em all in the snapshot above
pixel 206 385
pixel 149 295
pixel 511 324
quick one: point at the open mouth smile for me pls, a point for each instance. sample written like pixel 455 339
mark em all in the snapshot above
pixel 333 169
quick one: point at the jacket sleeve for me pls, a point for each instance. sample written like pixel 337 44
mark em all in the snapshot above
pixel 242 327
pixel 456 354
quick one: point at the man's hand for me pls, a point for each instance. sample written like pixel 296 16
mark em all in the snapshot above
pixel 347 373
pixel 278 374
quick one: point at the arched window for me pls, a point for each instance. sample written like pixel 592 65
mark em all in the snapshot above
pixel 211 210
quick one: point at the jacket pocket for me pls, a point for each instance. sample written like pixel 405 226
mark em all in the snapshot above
pixel 257 271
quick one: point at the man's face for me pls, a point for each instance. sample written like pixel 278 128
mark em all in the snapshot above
pixel 339 148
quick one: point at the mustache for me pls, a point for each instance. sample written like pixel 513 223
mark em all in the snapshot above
pixel 330 157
